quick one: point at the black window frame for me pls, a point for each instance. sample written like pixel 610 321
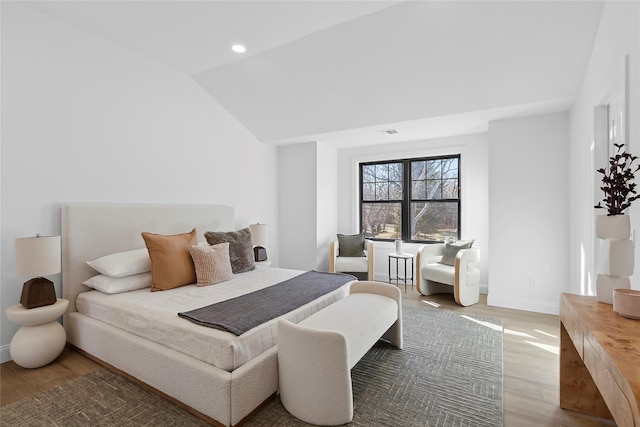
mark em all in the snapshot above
pixel 406 200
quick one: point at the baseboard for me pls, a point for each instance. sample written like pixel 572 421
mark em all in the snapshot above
pixel 528 304
pixel 5 355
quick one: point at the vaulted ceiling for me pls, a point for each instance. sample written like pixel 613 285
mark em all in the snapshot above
pixel 341 72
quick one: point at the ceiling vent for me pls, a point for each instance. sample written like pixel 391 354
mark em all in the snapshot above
pixel 389 131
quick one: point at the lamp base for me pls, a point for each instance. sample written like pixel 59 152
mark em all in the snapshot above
pixel 259 253
pixel 38 292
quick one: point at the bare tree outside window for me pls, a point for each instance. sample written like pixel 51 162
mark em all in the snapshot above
pixel 434 199
pixel 428 211
pixel 382 190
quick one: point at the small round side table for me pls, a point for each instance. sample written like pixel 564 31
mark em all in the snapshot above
pixel 41 338
pixel 398 277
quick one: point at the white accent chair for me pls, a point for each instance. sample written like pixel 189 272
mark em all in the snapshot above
pixel 342 264
pixel 461 279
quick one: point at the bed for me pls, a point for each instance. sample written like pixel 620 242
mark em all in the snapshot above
pixel 213 373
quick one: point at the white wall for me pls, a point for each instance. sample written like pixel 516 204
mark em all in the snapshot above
pixel 307 204
pixel 618 35
pixel 327 203
pixel 473 150
pixel 84 120
pixel 528 212
pixel 297 178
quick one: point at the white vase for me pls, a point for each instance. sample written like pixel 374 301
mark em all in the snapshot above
pixel 398 246
pixel 616 255
pixel 605 285
pixel 614 227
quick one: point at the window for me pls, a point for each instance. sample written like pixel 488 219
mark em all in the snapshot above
pixel 416 200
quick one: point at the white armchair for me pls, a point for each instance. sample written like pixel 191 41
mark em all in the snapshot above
pixel 462 279
pixel 348 264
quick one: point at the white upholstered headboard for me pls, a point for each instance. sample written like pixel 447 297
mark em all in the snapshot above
pixel 92 230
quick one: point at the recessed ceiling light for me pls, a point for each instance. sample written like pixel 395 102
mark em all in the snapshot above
pixel 238 48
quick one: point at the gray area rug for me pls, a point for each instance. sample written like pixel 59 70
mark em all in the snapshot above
pixel 448 374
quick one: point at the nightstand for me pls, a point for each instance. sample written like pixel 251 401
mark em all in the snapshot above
pixel 266 263
pixel 41 338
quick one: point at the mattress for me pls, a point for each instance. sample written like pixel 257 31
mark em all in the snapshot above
pixel 154 316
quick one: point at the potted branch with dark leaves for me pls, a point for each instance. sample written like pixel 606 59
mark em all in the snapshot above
pixel 616 182
pixel 614 229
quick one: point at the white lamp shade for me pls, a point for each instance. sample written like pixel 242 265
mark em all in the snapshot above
pixel 37 256
pixel 258 234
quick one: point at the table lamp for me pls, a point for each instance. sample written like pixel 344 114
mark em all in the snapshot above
pixel 259 238
pixel 37 256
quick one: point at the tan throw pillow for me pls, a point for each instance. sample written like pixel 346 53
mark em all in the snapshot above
pixel 212 263
pixel 171 262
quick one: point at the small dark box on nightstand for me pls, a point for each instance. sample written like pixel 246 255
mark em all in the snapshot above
pixel 260 254
pixel 38 292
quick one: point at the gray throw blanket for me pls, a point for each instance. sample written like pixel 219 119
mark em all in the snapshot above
pixel 238 315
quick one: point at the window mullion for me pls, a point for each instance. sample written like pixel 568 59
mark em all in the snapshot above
pixel 406 198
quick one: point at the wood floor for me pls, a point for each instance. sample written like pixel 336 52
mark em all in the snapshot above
pixel 531 343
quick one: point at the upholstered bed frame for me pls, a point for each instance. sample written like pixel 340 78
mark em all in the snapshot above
pixel 93 230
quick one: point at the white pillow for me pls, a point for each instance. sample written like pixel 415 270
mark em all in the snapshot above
pixel 116 285
pixel 123 264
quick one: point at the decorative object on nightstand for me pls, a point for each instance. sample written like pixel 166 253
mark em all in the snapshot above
pixel 259 238
pixel 41 338
pixel 37 256
pixel 614 229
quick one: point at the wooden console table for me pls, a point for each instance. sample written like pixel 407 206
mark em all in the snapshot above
pixel 599 360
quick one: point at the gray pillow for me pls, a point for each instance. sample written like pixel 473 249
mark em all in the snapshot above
pixel 240 248
pixel 451 249
pixel 351 245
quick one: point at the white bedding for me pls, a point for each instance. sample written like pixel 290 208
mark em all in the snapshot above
pixel 153 315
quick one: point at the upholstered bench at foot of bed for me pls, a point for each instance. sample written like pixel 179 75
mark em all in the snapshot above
pixel 315 356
